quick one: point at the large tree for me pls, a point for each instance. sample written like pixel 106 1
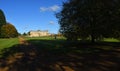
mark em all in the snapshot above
pixel 8 31
pixel 2 20
pixel 90 18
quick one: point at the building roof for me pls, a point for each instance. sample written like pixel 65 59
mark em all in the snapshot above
pixel 39 31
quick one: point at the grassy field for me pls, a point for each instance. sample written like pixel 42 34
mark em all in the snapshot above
pixel 5 43
pixel 49 54
pixel 111 40
pixel 45 38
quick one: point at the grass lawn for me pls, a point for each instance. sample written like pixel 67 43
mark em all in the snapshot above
pixel 48 42
pixel 45 38
pixel 111 40
pixel 5 43
pixel 49 54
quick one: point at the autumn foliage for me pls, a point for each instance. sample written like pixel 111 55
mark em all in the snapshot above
pixel 8 31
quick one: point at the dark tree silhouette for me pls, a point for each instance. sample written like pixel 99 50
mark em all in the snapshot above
pixel 90 18
pixel 24 34
pixel 2 20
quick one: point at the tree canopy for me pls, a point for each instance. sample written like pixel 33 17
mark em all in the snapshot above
pixel 8 31
pixel 90 18
pixel 2 20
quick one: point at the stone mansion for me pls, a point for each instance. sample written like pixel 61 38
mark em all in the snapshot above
pixel 38 33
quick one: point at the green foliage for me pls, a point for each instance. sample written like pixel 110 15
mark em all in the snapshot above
pixel 90 18
pixel 24 34
pixel 8 31
pixel 2 20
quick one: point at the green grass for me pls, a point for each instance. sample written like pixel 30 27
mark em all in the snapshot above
pixel 45 38
pixel 51 43
pixel 46 42
pixel 5 43
pixel 47 52
pixel 111 40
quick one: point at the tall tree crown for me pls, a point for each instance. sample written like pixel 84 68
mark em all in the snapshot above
pixel 2 18
pixel 8 31
pixel 95 18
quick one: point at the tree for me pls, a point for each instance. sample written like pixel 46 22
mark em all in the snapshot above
pixel 8 31
pixel 24 34
pixel 94 18
pixel 2 20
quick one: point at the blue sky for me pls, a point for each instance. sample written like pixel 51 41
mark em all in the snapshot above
pixel 28 15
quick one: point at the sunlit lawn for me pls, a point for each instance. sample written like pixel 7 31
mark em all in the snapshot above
pixel 45 38
pixel 111 40
pixel 5 43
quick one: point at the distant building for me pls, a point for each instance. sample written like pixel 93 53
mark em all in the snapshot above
pixel 38 33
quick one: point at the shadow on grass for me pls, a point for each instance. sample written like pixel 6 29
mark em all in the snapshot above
pixel 59 55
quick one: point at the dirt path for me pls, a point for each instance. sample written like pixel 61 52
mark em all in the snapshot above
pixel 23 41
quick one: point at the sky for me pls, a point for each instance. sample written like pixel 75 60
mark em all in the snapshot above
pixel 27 15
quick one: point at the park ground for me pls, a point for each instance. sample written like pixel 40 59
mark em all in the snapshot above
pixel 49 54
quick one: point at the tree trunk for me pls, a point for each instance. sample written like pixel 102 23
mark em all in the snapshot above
pixel 92 38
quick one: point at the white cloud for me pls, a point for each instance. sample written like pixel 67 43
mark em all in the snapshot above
pixel 52 22
pixel 51 8
pixel 54 8
pixel 43 9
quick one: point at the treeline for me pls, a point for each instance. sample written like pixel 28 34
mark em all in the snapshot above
pixel 7 30
pixel 93 19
